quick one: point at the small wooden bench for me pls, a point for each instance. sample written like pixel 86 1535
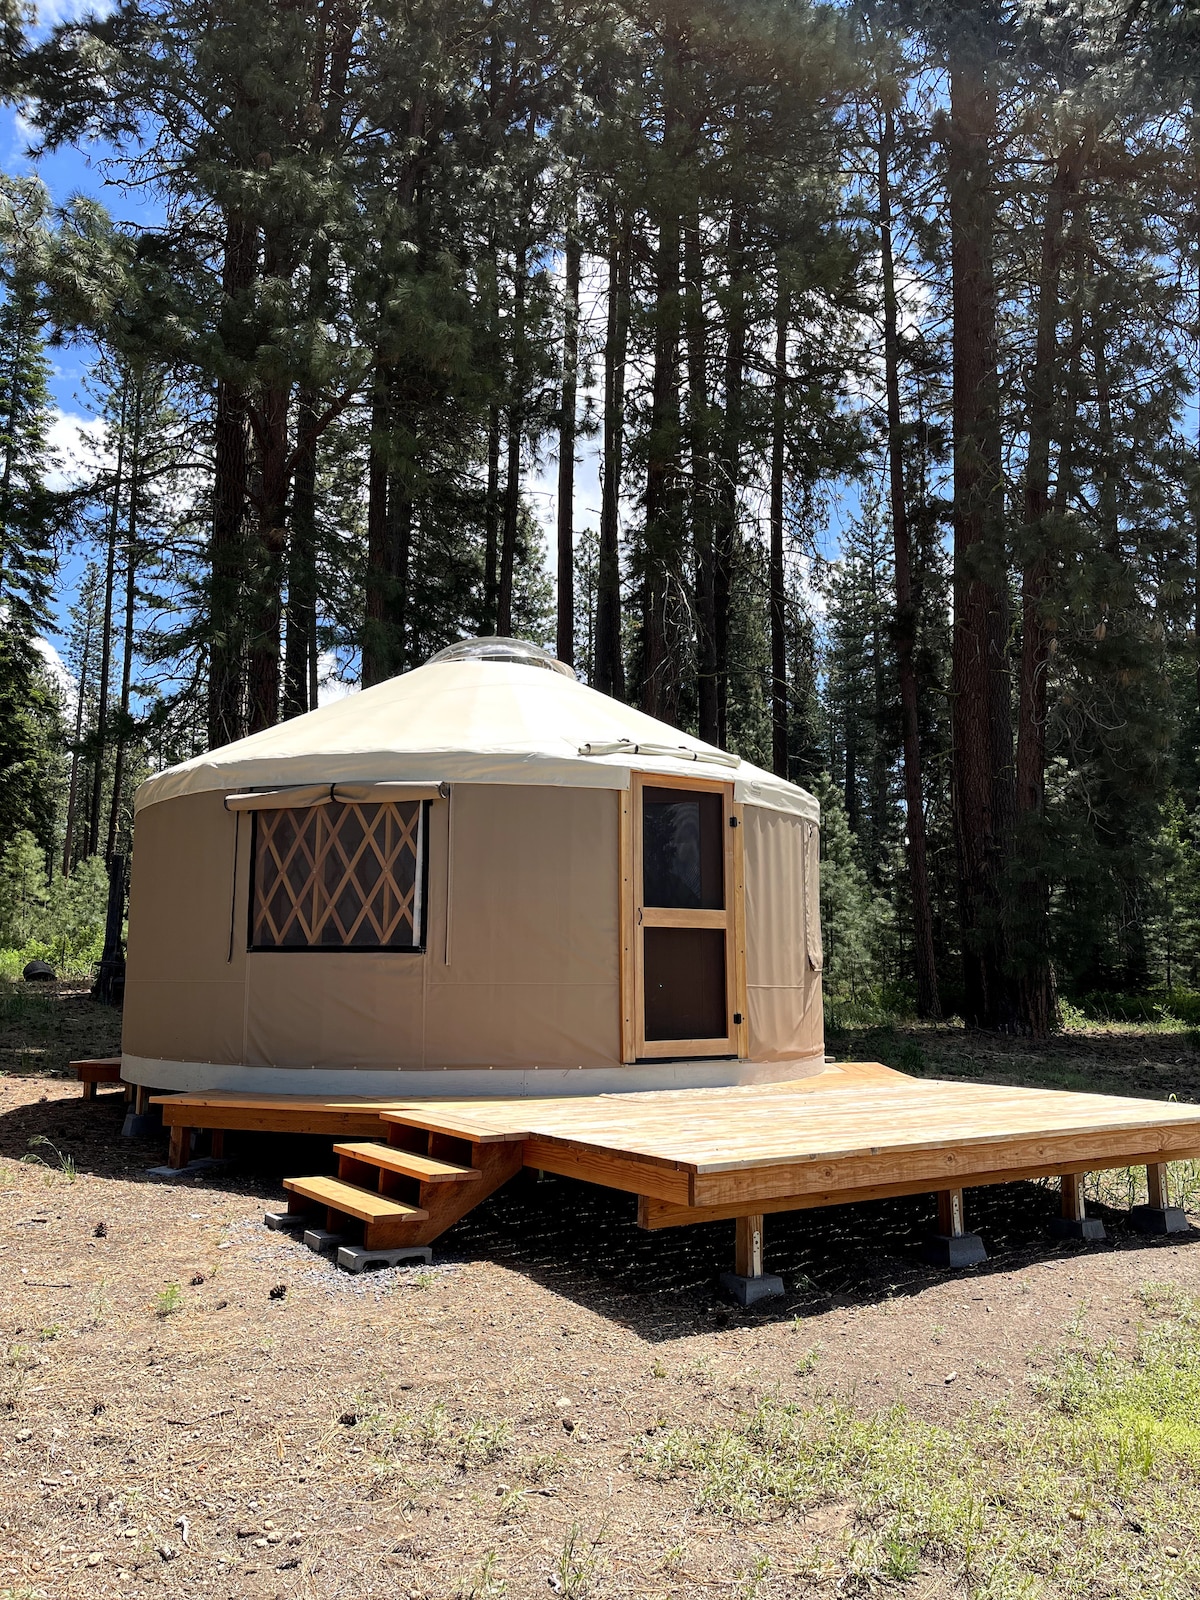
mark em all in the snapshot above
pixel 106 1069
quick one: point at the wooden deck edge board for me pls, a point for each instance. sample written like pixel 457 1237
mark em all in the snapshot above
pixel 592 1145
pixel 608 1169
pixel 1027 1156
pixel 654 1213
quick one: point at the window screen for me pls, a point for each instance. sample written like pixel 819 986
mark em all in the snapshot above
pixel 682 849
pixel 339 877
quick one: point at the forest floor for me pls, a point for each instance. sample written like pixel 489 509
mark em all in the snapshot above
pixel 563 1404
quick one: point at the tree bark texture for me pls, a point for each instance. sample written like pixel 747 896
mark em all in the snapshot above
pixel 610 663
pixel 100 732
pixel 905 629
pixel 1036 997
pixel 778 578
pixel 566 447
pixel 226 676
pixel 980 690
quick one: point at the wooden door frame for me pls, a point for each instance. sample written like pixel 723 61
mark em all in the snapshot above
pixel 634 1045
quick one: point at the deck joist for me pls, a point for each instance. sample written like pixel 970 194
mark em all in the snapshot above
pixel 857 1131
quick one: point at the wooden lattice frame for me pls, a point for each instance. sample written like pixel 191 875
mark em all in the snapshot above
pixel 341 876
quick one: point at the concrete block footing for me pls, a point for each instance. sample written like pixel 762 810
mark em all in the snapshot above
pixel 749 1291
pixel 147 1125
pixel 1088 1228
pixel 954 1250
pixel 1160 1219
pixel 286 1221
pixel 201 1168
pixel 354 1257
pixel 320 1239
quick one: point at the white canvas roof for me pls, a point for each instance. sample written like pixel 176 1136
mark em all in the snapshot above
pixel 471 721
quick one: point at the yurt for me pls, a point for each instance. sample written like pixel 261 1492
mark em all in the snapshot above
pixel 478 878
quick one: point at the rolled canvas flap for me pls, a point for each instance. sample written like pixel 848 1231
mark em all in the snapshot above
pixel 299 798
pixel 378 793
pixel 812 896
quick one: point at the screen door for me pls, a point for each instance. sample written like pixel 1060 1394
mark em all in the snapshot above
pixel 684 886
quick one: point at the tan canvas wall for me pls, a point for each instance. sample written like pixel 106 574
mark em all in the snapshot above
pixel 782 936
pixel 184 996
pixel 523 974
pixel 532 970
pixel 326 1008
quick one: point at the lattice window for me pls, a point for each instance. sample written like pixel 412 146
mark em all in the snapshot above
pixel 339 877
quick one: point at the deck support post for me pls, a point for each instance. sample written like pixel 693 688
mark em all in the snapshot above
pixel 1158 1216
pixel 180 1148
pixel 1074 1222
pixel 748 1283
pixel 952 1245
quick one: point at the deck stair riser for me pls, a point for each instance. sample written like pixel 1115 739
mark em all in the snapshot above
pixel 437 1175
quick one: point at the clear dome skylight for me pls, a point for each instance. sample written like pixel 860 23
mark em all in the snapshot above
pixel 495 648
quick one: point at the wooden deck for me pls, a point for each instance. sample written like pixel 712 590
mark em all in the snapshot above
pixel 856 1131
pixel 852 1133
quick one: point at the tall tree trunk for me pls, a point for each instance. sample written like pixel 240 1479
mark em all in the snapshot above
pixel 879 755
pixel 399 557
pixel 375 651
pixel 516 429
pixel 331 68
pixel 299 644
pixel 230 468
pixel 566 445
pixel 980 693
pixel 700 451
pixel 68 856
pixel 924 957
pixel 491 533
pixel 271 427
pixel 1036 999
pixel 1194 129
pixel 730 468
pixel 610 664
pixel 662 535
pixel 100 734
pixel 131 566
pixel 778 584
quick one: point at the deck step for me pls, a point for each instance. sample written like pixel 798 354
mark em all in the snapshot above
pixel 426 1168
pixel 352 1201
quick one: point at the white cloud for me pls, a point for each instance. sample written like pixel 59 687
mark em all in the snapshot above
pixel 76 447
pixel 57 668
pixel 329 686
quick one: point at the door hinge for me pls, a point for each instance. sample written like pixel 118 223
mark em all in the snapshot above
pixel 737 1019
pixel 733 822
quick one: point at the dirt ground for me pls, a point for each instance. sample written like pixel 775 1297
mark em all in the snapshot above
pixel 190 1400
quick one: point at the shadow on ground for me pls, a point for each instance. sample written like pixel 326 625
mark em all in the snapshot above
pixel 583 1242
